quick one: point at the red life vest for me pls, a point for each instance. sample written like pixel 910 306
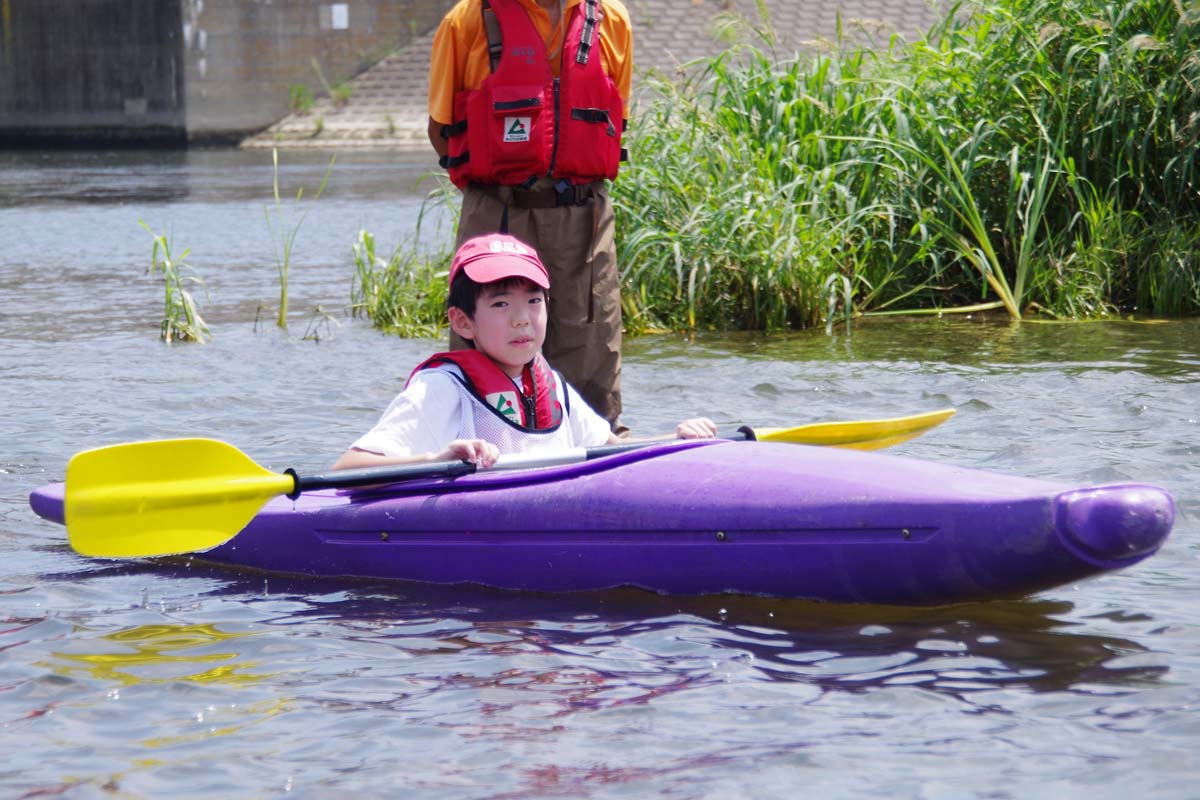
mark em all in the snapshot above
pixel 523 123
pixel 534 407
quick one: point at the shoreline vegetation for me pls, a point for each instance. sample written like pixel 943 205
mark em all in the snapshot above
pixel 1036 157
pixel 1033 158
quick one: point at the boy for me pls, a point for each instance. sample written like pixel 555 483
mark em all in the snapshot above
pixel 501 396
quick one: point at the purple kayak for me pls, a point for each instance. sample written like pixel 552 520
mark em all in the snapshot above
pixel 756 518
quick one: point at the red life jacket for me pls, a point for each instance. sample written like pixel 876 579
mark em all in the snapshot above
pixel 534 407
pixel 522 122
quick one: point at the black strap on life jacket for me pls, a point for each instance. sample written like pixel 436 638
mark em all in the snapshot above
pixel 596 115
pixel 457 129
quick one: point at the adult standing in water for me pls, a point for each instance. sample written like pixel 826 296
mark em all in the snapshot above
pixel 527 104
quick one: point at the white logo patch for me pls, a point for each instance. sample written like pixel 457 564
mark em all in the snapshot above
pixel 509 247
pixel 516 129
pixel 505 403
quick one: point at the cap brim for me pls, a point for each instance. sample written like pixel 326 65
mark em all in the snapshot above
pixel 498 267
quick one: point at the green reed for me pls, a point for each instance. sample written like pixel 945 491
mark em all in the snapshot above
pixel 405 293
pixel 284 233
pixel 1038 154
pixel 181 317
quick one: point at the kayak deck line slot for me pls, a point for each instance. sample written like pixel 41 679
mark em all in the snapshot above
pixel 697 537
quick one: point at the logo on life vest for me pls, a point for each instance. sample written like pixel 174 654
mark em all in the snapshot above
pixel 506 404
pixel 516 129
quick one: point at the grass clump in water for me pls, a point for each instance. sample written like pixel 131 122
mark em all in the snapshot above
pixel 181 318
pixel 405 293
pixel 1036 155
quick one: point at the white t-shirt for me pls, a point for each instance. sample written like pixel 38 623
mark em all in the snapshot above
pixel 436 409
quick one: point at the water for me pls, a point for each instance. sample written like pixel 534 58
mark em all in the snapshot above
pixel 140 679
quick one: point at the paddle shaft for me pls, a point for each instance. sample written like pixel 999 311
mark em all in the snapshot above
pixel 366 476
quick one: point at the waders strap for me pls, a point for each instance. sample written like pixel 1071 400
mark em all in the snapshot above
pixel 562 193
pixel 495 42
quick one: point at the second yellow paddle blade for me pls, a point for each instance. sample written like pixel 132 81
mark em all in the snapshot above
pixel 871 434
pixel 164 497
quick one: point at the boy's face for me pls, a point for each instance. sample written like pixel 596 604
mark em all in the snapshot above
pixel 509 325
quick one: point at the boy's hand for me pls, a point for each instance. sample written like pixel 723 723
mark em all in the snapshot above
pixel 477 451
pixel 697 428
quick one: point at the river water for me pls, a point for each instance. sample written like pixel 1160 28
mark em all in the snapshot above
pixel 136 679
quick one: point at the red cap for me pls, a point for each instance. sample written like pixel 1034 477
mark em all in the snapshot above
pixel 497 256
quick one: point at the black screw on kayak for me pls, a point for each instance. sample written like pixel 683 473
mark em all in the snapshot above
pixel 383 536
pixel 906 533
pixel 720 536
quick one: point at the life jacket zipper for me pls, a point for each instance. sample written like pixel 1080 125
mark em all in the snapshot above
pixel 528 401
pixel 530 411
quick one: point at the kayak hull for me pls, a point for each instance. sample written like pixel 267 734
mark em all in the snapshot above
pixel 754 518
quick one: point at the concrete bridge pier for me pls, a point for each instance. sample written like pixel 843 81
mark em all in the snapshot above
pixel 174 72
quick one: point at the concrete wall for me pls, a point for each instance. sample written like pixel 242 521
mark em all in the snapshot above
pixel 244 55
pixel 111 67
pixel 103 72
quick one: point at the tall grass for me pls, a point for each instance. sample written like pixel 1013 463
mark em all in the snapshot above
pixel 405 293
pixel 1036 155
pixel 284 232
pixel 181 317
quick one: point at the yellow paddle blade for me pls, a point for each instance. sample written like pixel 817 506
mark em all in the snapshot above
pixel 871 434
pixel 165 497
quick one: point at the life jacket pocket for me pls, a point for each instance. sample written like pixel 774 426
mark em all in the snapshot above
pixel 516 135
pixel 589 130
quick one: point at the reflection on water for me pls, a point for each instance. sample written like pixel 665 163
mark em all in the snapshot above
pixel 159 654
pixel 177 679
pixel 634 634
pixel 1154 348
